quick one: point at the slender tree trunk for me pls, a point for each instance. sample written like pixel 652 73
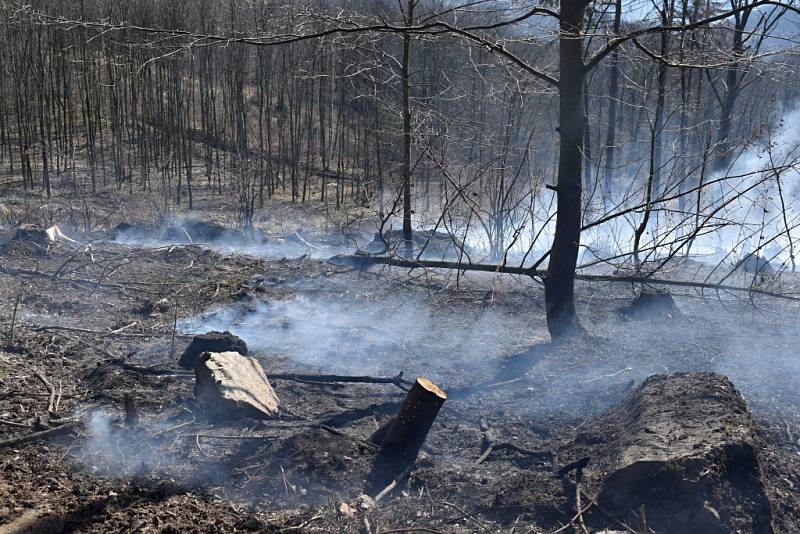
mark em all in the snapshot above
pixel 405 73
pixel 560 279
pixel 613 106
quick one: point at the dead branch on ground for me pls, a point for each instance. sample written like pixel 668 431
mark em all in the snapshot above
pixel 490 444
pixel 44 434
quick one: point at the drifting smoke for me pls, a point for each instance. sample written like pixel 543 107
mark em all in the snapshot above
pixel 462 346
pixel 230 242
pixel 741 210
pixel 113 451
pixel 99 443
pixel 364 336
pixel 119 451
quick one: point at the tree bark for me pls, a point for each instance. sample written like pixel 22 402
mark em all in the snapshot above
pixel 409 21
pixel 559 284
pixel 404 437
pixel 613 106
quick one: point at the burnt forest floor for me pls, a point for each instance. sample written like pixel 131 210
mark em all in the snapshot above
pixel 98 323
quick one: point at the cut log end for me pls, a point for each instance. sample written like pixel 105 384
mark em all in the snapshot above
pixel 211 342
pixel 402 438
pixel 429 386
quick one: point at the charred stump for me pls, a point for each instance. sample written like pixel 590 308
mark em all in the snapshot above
pixel 211 342
pixel 229 385
pixel 32 234
pixel 401 439
pixel 682 446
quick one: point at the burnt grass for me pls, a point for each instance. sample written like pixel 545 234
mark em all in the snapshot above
pixel 99 323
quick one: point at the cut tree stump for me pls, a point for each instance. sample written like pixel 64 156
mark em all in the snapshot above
pixel 229 385
pixel 403 436
pixel 211 342
pixel 683 447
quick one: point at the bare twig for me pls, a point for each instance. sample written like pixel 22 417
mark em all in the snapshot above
pixel 51 404
pixel 393 484
pixel 15 424
pixel 14 317
pixel 174 329
pixel 63 429
pixel 490 444
pixel 100 333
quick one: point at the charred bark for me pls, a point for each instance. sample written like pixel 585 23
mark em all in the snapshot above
pixel 402 438
pixel 559 282
pixel 405 74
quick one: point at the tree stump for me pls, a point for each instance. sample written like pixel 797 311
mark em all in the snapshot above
pixel 682 446
pixel 211 342
pixel 403 436
pixel 229 385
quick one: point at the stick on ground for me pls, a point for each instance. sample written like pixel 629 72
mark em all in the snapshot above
pixel 44 434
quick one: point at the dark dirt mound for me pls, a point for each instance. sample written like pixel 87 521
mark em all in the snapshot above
pixel 197 230
pixel 32 233
pixel 176 232
pixel 651 305
pixel 683 447
pixel 211 342
pixel 311 466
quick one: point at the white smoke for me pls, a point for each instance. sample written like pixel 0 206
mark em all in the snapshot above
pixel 365 336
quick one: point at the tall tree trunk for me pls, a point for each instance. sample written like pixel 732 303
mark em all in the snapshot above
pixel 613 106
pixel 559 288
pixel 667 16
pixel 405 73
pixel 732 88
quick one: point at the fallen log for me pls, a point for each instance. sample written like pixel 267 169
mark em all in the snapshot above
pixel 684 447
pixel 151 370
pixel 366 261
pixel 403 439
pixel 397 380
pixel 44 434
pixel 363 261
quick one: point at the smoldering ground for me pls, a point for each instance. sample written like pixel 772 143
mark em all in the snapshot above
pixel 114 449
pixel 459 333
pixel 750 341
